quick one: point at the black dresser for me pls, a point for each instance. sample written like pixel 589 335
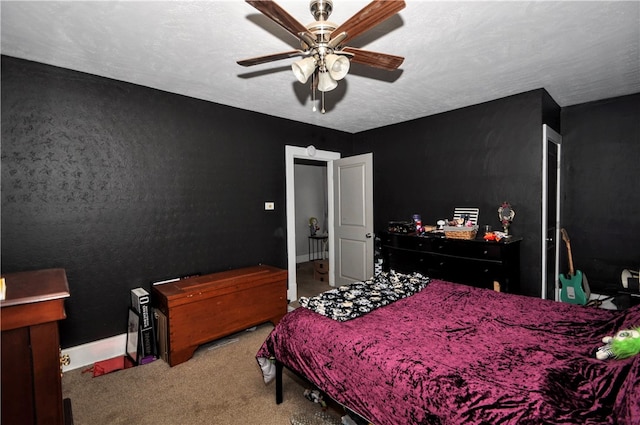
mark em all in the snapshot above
pixel 473 262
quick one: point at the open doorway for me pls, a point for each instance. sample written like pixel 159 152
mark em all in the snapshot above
pixel 298 227
pixel 312 227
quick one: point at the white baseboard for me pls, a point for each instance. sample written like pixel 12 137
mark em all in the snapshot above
pixel 88 354
pixel 305 257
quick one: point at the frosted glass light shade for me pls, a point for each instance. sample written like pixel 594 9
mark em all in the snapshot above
pixel 338 66
pixel 303 69
pixel 325 82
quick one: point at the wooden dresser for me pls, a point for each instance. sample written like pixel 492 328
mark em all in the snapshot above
pixel 472 262
pixel 201 309
pixel 31 374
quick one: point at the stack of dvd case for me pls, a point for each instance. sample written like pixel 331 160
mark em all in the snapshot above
pixel 141 304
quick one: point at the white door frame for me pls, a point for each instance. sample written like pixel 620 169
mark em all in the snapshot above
pixel 549 135
pixel 309 153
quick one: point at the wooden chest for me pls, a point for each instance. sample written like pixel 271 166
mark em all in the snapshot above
pixel 204 308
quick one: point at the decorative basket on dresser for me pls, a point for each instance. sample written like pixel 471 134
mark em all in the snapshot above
pixel 466 233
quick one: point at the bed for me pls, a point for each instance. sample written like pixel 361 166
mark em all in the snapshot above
pixel 446 353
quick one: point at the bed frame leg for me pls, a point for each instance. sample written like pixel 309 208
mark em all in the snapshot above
pixel 278 382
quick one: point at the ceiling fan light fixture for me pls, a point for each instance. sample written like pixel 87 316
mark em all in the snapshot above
pixel 325 82
pixel 303 69
pixel 338 66
pixel 326 57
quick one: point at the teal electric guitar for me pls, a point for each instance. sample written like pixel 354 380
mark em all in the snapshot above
pixel 575 288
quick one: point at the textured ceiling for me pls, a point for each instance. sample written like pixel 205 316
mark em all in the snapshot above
pixel 456 53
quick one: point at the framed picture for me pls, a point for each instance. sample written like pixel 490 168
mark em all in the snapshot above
pixel 133 328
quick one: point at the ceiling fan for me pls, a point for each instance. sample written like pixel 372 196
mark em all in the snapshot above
pixel 325 56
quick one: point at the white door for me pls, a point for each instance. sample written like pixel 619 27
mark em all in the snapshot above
pixel 353 227
pixel 551 160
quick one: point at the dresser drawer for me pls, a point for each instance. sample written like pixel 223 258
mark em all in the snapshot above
pixel 406 261
pixel 460 248
pixel 409 242
pixel 461 270
pixel 468 249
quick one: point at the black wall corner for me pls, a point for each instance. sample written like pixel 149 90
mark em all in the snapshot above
pixel 477 156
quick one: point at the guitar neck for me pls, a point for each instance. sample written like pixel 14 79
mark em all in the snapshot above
pixel 571 270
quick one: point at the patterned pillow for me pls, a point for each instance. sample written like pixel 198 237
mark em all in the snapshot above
pixel 350 301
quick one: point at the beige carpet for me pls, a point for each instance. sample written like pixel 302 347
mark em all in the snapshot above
pixel 221 385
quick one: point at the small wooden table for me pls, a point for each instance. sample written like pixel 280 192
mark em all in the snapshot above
pixel 317 247
pixel 31 375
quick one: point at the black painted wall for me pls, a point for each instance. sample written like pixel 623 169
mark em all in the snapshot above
pixel 123 185
pixel 477 156
pixel 601 150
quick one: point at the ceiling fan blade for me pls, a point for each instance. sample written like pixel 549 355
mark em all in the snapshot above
pixel 273 11
pixel 371 15
pixel 270 58
pixel 375 59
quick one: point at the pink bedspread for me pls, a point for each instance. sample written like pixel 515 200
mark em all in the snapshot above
pixel 454 354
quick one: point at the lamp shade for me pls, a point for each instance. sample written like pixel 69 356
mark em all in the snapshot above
pixel 338 66
pixel 303 69
pixel 325 82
